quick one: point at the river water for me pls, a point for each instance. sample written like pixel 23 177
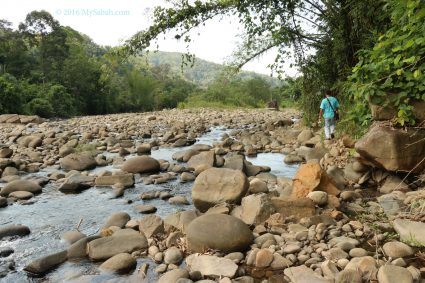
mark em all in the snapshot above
pixel 54 213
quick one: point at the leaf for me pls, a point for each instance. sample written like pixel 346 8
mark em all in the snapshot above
pixel 397 59
pixel 409 43
pixel 416 73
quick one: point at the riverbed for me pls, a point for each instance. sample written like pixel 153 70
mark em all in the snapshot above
pixel 52 213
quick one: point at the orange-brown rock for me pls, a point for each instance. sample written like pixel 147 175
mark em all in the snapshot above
pixel 310 177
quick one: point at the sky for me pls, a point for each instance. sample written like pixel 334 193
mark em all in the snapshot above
pixel 110 22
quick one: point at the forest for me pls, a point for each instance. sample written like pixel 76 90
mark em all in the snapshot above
pixel 54 71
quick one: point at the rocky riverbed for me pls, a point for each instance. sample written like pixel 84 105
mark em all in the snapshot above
pixel 201 196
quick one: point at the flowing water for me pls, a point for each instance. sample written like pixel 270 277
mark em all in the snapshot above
pixel 54 213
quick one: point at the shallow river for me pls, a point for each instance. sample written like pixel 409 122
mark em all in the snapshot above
pixel 54 213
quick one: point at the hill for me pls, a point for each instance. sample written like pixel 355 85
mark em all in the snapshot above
pixel 203 72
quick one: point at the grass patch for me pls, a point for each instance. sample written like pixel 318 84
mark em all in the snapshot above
pixel 90 148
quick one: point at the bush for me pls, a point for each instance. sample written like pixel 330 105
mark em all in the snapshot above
pixel 39 106
pixel 63 101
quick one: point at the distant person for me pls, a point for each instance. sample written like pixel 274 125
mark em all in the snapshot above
pixel 329 110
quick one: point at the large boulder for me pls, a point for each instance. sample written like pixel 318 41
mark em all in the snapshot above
pixel 76 183
pixel 181 220
pixel 20 185
pixel 236 162
pixel 78 161
pixel 151 225
pixel 218 185
pixel 107 247
pixel 398 150
pixel 219 232
pixel 256 209
pixel 141 164
pixel 310 177
pixel 205 157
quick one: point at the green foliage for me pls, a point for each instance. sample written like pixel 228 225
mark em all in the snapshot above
pixel 40 106
pixel 391 74
pixel 232 93
pixel 61 101
pixel 202 73
pixel 90 148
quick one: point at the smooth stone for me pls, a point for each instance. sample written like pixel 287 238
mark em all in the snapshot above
pixel 173 255
pixel 219 232
pixel 394 274
pixel 212 265
pixel 173 276
pixel 20 185
pixel 118 219
pixel 178 200
pixel 264 258
pixel 21 195
pixel 5 252
pixel 120 263
pixel 72 236
pixel 145 209
pixel 78 250
pixel 107 247
pixel 13 230
pixel 397 249
pixel 217 185
pixel 141 164
pixel 358 252
pixel 46 263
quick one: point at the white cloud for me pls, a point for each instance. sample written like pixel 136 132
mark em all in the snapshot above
pixel 110 22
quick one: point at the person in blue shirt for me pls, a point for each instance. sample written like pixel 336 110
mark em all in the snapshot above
pixel 328 107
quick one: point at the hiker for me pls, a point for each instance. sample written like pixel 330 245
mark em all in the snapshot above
pixel 329 110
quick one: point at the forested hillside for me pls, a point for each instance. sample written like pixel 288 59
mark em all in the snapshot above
pixel 54 71
pixel 203 72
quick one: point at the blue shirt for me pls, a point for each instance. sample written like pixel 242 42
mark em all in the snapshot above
pixel 328 113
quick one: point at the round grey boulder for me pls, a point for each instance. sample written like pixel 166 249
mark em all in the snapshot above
pixel 78 161
pixel 218 185
pixel 141 164
pixel 219 232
